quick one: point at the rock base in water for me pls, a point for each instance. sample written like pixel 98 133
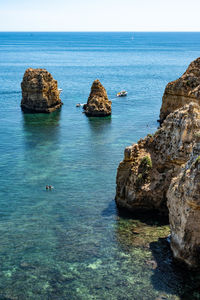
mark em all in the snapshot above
pixel 98 104
pixel 163 170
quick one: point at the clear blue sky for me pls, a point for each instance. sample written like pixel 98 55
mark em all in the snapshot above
pixel 101 15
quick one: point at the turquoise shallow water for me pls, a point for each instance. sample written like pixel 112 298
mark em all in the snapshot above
pixel 71 242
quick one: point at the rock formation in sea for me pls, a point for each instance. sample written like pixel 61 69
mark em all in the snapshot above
pixel 98 104
pixel 162 172
pixel 182 91
pixel 40 92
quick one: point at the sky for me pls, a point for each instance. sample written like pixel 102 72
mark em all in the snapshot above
pixel 101 15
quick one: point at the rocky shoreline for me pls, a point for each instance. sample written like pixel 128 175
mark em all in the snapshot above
pixel 162 171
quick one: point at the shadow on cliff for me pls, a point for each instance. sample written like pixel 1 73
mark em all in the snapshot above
pixel 171 277
pixel 148 217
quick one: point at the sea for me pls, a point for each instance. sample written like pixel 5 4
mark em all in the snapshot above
pixel 72 242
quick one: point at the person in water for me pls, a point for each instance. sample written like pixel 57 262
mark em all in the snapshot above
pixel 49 187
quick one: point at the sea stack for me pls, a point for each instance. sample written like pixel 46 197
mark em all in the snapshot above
pixel 182 91
pixel 98 104
pixel 40 92
pixel 162 171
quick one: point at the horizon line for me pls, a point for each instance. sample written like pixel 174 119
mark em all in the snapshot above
pixel 98 31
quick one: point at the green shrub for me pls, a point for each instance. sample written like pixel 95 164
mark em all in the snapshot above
pixel 143 171
pixel 197 161
pixel 146 162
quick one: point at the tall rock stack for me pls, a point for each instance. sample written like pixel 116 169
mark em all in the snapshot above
pixel 40 92
pixel 98 104
pixel 162 171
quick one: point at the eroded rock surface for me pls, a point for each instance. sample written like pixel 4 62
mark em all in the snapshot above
pixel 144 176
pixel 98 104
pixel 164 170
pixel 184 211
pixel 182 91
pixel 40 92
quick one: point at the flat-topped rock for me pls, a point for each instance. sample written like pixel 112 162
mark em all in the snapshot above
pixel 40 92
pixel 182 91
pixel 98 104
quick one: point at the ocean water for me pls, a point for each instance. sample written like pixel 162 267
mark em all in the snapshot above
pixel 72 242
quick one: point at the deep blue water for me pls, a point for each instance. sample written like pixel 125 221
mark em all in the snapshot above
pixel 72 243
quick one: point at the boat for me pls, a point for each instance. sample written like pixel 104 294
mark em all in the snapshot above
pixel 122 94
pixel 79 104
pixel 59 90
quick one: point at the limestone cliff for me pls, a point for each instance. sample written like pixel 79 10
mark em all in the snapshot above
pixel 144 176
pixel 162 171
pixel 182 91
pixel 98 104
pixel 40 92
pixel 184 210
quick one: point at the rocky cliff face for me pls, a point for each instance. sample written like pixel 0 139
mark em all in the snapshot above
pixel 164 169
pixel 98 104
pixel 182 91
pixel 39 92
pixel 184 210
pixel 144 176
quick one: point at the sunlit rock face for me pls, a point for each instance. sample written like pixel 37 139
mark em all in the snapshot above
pixel 162 171
pixel 98 104
pixel 184 211
pixel 40 92
pixel 182 91
pixel 144 176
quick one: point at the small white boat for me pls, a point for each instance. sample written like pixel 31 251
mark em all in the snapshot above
pixel 79 104
pixel 60 90
pixel 122 94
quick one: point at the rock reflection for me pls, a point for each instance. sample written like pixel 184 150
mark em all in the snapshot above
pixel 41 141
pixel 99 125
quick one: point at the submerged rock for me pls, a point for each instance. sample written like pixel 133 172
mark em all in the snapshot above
pixel 182 91
pixel 98 104
pixel 40 92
